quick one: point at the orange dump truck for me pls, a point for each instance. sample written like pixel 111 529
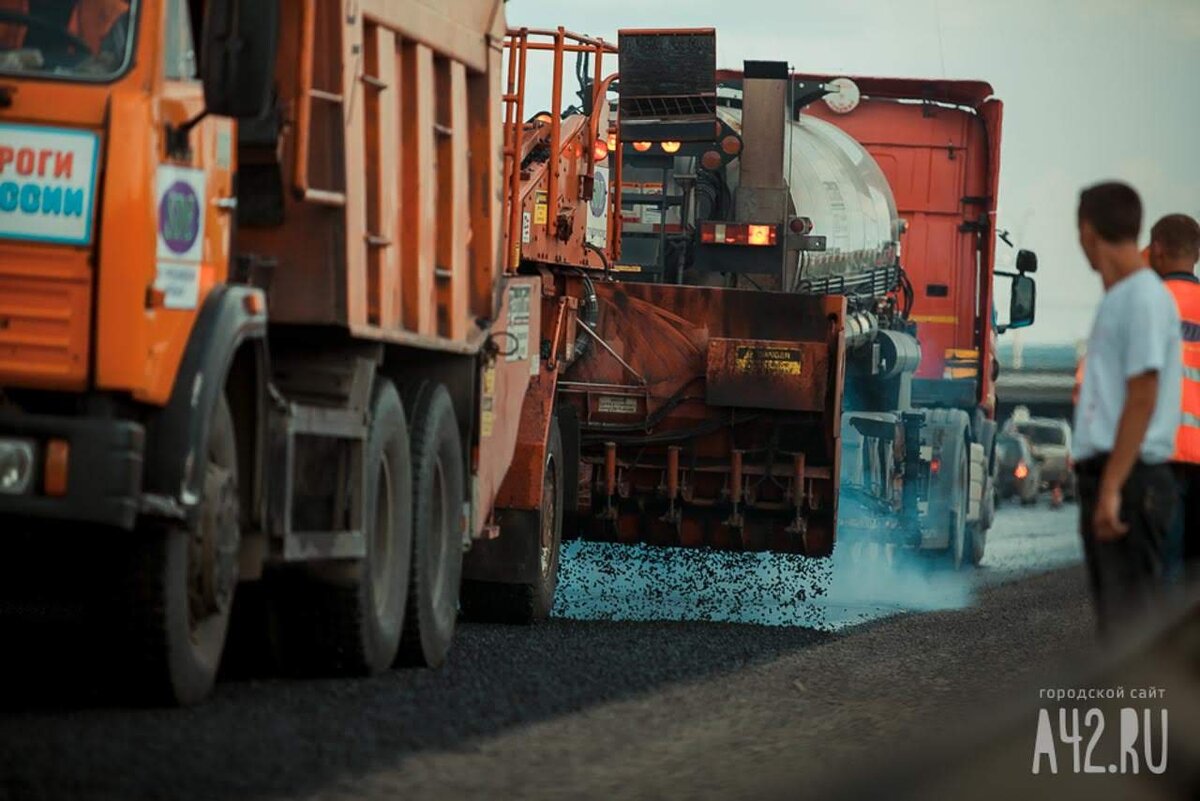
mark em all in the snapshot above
pixel 261 322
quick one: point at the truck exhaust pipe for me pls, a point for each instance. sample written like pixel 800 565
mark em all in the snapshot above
pixel 762 193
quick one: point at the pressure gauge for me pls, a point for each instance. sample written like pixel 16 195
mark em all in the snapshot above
pixel 845 98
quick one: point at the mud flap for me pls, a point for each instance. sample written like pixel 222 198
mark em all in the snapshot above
pixel 513 556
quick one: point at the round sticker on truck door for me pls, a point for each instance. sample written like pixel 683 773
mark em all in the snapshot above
pixel 179 218
pixel 180 213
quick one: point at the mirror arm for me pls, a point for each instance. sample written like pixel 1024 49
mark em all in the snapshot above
pixel 177 136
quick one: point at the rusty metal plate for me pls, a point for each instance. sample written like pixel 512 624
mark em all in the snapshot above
pixel 767 374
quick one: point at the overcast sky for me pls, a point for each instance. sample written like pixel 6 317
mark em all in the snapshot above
pixel 1093 89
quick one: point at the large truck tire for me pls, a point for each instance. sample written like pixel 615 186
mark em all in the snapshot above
pixel 955 482
pixel 346 617
pixel 986 436
pixel 182 584
pixel 981 503
pixel 438 495
pixel 530 602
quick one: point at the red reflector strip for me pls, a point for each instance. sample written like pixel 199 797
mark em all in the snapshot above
pixel 714 233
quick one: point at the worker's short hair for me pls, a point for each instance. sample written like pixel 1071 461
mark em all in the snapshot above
pixel 1114 210
pixel 1179 235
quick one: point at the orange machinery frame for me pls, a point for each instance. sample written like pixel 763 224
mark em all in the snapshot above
pixel 559 189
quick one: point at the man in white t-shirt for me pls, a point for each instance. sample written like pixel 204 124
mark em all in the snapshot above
pixel 1128 411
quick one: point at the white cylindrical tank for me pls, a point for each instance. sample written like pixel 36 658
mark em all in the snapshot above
pixel 836 183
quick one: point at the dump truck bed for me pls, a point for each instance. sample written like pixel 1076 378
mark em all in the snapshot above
pixel 389 222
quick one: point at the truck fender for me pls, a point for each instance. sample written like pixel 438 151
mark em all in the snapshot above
pixel 230 318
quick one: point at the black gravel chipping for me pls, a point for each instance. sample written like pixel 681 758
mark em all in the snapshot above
pixel 280 738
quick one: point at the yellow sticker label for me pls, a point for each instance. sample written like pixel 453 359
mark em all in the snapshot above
pixel 785 361
pixel 539 209
pixel 627 268
pixel 487 417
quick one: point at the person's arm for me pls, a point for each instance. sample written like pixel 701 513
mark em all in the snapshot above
pixel 1141 395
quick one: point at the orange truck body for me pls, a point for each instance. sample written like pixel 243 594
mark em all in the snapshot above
pixel 372 221
pixel 400 245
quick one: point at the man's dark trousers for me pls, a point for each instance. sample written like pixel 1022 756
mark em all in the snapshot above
pixel 1126 574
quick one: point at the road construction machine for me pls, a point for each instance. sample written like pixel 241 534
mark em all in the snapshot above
pixel 819 256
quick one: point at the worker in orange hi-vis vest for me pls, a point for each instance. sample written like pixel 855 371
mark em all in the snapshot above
pixel 1173 253
pixel 34 26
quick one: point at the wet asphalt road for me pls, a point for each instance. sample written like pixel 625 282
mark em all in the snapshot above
pixel 633 692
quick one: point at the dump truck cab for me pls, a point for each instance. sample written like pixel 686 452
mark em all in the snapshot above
pixel 115 226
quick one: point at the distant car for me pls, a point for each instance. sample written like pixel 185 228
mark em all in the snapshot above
pixel 1050 441
pixel 1017 473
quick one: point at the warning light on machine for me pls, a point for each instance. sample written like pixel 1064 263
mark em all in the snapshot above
pixel 737 234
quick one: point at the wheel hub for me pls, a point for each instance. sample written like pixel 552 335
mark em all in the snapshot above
pixel 214 544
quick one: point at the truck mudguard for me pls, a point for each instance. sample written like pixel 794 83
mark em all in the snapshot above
pixel 231 316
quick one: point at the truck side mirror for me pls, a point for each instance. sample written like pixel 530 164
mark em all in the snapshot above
pixel 237 61
pixel 1026 261
pixel 1022 302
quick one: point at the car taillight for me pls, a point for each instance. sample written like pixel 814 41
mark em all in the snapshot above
pixel 737 234
pixel 1021 470
pixel 935 465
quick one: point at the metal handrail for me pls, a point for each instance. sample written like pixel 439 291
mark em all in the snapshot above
pixel 518 45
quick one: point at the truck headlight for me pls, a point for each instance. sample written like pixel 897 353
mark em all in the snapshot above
pixel 16 466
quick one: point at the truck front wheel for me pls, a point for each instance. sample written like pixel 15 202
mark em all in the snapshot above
pixel 182 583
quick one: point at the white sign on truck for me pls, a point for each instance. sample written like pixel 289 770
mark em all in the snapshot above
pixel 47 184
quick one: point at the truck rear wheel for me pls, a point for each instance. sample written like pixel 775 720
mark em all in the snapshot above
pixel 438 493
pixel 346 617
pixel 183 582
pixel 531 602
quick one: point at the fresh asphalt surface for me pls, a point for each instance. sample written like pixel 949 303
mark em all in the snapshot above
pixel 812 671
